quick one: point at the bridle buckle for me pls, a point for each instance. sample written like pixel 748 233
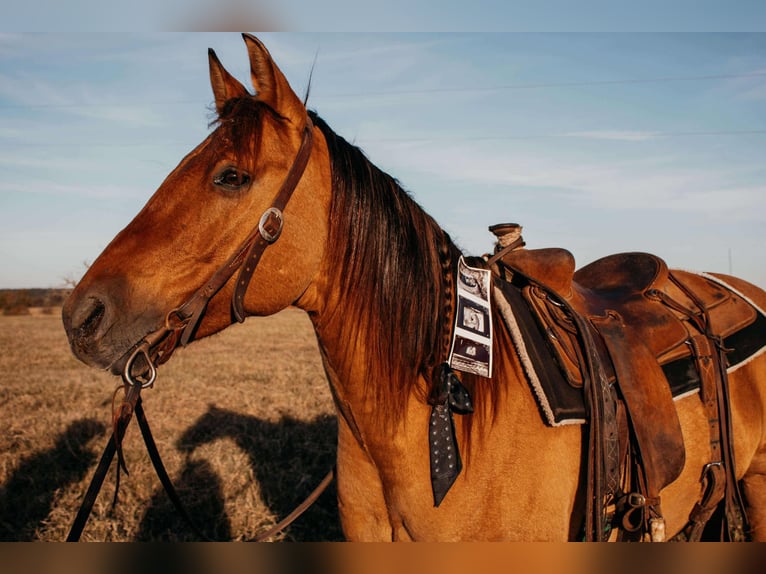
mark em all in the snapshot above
pixel 270 225
pixel 144 381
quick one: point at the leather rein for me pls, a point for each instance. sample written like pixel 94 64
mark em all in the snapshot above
pixel 154 349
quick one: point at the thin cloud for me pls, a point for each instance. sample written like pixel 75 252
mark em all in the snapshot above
pixel 750 88
pixel 137 116
pixel 90 191
pixel 12 45
pixel 614 135
pixel 23 89
pixel 77 100
pixel 627 184
pixel 11 133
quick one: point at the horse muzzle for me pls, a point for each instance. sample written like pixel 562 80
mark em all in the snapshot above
pixel 99 333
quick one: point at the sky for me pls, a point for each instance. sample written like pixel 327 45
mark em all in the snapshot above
pixel 391 15
pixel 598 142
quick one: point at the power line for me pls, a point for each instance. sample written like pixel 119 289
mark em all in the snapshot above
pixel 592 136
pixel 541 85
pixel 502 87
pixel 101 105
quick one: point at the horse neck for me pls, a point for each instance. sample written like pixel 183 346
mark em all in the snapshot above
pixel 383 287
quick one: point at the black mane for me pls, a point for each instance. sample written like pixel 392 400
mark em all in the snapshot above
pixel 391 260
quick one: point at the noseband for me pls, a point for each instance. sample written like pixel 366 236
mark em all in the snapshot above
pixel 181 323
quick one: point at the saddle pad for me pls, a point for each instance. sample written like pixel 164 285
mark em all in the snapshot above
pixel 562 404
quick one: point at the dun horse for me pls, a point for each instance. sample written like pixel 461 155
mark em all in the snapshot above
pixel 274 209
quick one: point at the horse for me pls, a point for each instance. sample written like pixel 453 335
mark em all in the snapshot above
pixel 344 242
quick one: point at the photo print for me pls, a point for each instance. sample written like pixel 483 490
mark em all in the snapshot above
pixel 471 350
pixel 473 317
pixel 473 281
pixel 470 356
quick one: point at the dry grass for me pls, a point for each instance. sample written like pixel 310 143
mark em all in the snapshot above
pixel 244 421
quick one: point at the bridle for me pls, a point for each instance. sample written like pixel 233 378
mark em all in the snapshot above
pixel 181 323
pixel 185 318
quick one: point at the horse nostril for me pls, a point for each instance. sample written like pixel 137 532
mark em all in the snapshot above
pixel 92 320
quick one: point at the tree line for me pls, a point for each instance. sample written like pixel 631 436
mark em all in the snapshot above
pixel 19 301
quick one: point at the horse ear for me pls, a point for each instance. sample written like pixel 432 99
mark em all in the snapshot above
pixel 225 86
pixel 270 84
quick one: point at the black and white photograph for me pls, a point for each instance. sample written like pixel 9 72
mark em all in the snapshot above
pixel 473 317
pixel 472 339
pixel 473 281
pixel 471 356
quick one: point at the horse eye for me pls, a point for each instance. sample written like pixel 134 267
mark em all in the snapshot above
pixel 232 178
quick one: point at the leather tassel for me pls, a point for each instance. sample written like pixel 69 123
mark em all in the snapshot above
pixel 449 396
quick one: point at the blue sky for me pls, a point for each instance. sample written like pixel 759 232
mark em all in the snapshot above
pixel 597 142
pixel 392 15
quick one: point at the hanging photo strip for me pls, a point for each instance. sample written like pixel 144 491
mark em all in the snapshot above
pixel 472 337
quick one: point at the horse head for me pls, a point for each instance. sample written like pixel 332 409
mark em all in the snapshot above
pixel 202 218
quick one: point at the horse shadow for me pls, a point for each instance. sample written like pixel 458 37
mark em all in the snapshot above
pixel 201 492
pixel 288 458
pixel 27 497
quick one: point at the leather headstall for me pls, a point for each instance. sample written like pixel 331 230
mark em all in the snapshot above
pixel 140 370
pixel 248 255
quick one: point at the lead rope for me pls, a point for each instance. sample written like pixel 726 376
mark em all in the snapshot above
pixel 162 474
pixel 131 397
pixel 132 404
pixel 303 507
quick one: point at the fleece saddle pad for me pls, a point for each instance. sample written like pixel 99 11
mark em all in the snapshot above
pixel 561 403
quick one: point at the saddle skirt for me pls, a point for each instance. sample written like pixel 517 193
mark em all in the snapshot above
pixel 653 330
pixel 658 308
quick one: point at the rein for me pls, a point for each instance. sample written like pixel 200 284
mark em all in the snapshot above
pixel 154 349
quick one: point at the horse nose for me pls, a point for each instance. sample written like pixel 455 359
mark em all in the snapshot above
pixel 82 321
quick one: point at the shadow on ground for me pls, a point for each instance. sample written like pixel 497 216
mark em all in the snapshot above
pixel 28 496
pixel 289 458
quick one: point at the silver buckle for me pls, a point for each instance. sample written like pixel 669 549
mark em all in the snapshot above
pixel 270 225
pixel 127 376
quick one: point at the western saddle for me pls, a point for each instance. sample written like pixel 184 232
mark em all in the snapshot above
pixel 615 329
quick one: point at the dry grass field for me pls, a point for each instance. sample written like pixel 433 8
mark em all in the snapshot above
pixel 244 422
